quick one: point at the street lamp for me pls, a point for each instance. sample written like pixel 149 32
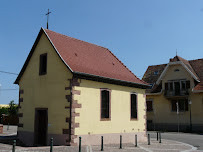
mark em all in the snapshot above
pixel 190 103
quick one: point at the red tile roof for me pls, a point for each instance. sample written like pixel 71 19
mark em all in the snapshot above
pixel 91 59
pixel 86 58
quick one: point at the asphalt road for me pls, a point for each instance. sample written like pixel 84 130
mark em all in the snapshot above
pixel 193 139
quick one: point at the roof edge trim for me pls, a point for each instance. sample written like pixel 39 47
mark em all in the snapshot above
pixel 56 50
pixel 197 91
pixel 174 63
pixel 91 75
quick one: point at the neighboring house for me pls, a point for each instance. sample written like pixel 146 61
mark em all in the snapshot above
pixel 176 85
pixel 4 105
pixel 71 88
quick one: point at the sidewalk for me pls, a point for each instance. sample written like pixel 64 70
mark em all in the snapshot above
pixel 9 130
pixel 155 146
pixel 165 146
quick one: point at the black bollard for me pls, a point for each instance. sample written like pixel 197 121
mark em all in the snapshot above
pixel 14 146
pixel 148 139
pixel 120 141
pixel 79 144
pixel 8 127
pixel 135 140
pixel 102 146
pixel 159 137
pixel 51 145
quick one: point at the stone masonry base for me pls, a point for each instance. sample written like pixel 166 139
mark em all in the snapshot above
pixel 27 138
pixel 113 138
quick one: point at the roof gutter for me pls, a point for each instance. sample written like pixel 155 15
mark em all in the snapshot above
pixel 106 78
pixel 196 91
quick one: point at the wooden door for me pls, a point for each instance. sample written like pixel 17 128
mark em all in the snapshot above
pixel 41 124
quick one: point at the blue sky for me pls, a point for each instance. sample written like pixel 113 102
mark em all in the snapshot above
pixel 139 33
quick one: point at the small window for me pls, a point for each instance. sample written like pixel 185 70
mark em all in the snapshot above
pixel 183 84
pixel 105 104
pixel 133 106
pixel 176 70
pixel 43 64
pixel 149 105
pixel 182 105
pixel 156 72
pixel 171 86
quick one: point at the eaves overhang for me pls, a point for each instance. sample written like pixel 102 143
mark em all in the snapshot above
pixel 109 80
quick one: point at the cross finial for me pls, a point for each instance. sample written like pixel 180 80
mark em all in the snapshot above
pixel 176 52
pixel 47 14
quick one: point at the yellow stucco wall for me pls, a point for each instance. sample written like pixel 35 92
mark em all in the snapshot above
pixel 162 110
pixel 45 91
pixel 120 122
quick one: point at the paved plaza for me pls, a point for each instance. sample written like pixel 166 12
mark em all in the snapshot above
pixel 165 145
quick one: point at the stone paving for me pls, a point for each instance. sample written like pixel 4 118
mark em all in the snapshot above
pixel 155 146
pixel 165 146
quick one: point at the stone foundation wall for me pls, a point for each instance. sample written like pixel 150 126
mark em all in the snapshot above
pixel 111 138
pixel 27 138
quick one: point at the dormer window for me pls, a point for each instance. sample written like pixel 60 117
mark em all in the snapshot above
pixel 43 64
pixel 156 72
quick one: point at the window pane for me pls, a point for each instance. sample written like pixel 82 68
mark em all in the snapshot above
pixel 104 104
pixel 183 83
pixel 133 106
pixel 171 86
pixel 181 104
pixel 43 64
pixel 149 105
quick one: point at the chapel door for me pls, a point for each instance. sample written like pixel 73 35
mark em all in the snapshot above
pixel 41 124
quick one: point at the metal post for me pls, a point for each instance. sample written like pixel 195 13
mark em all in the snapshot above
pixel 51 145
pixel 120 141
pixel 148 139
pixel 79 144
pixel 135 140
pixel 159 137
pixel 190 116
pixel 14 145
pixel 8 127
pixel 177 107
pixel 102 146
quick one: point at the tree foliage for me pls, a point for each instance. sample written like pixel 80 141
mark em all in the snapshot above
pixel 11 110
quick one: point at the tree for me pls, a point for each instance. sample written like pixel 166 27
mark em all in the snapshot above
pixel 13 108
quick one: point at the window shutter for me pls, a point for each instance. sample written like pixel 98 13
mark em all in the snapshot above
pixel 166 86
pixel 173 105
pixel 187 84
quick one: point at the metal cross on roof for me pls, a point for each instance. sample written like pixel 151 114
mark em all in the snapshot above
pixel 47 14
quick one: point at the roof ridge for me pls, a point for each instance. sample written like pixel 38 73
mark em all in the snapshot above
pixel 157 65
pixel 196 59
pixel 77 39
pixel 126 67
pixel 167 63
